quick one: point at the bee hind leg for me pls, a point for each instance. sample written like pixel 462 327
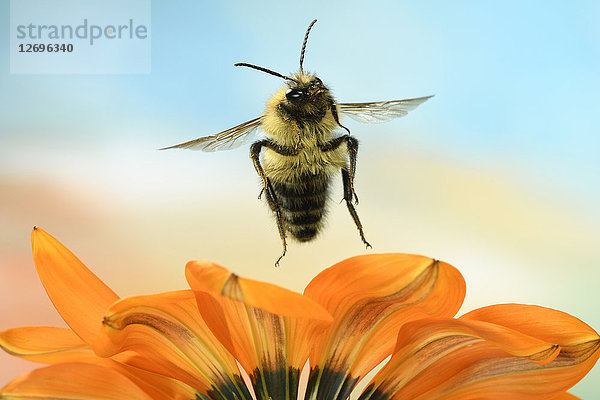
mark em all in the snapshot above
pixel 274 204
pixel 348 196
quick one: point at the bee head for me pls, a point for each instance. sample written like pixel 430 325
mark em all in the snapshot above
pixel 305 88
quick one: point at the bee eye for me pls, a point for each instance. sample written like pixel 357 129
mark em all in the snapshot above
pixel 294 94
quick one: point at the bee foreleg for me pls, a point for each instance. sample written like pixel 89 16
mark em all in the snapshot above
pixel 255 156
pixel 333 109
pixel 348 193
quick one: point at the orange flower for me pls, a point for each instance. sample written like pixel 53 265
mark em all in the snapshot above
pixel 199 343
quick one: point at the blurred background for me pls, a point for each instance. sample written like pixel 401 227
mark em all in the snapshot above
pixel 497 174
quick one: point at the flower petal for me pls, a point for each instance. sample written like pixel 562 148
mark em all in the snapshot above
pixel 155 385
pixel 45 344
pixel 371 297
pixel 78 295
pixel 60 345
pixel 212 278
pixel 73 381
pixel 267 328
pixel 168 333
pixel 472 359
pixel 565 396
pixel 544 323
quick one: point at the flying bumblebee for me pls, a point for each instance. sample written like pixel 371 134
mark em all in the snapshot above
pixel 301 150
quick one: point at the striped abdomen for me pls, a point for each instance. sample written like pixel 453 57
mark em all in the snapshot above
pixel 302 202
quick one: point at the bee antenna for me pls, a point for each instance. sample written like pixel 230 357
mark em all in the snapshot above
pixel 268 71
pixel 304 43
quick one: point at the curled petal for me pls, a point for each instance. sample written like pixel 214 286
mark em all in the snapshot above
pixel 267 328
pixel 78 295
pixel 45 344
pixel 171 339
pixel 371 297
pixel 472 359
pixel 211 278
pixel 73 381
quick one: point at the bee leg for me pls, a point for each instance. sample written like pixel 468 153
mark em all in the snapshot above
pixel 352 145
pixel 274 204
pixel 348 194
pixel 255 156
pixel 333 109
pixel 269 191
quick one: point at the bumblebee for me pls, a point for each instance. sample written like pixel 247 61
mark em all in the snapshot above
pixel 302 150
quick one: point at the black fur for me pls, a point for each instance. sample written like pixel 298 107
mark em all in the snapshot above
pixel 302 203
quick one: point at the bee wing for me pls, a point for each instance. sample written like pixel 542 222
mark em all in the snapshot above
pixel 380 111
pixel 226 140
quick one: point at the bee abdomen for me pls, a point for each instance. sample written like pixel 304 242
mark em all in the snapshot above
pixel 302 203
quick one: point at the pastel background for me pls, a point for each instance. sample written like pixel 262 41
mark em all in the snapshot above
pixel 497 174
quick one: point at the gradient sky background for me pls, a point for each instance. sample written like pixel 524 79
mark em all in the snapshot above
pixel 497 174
